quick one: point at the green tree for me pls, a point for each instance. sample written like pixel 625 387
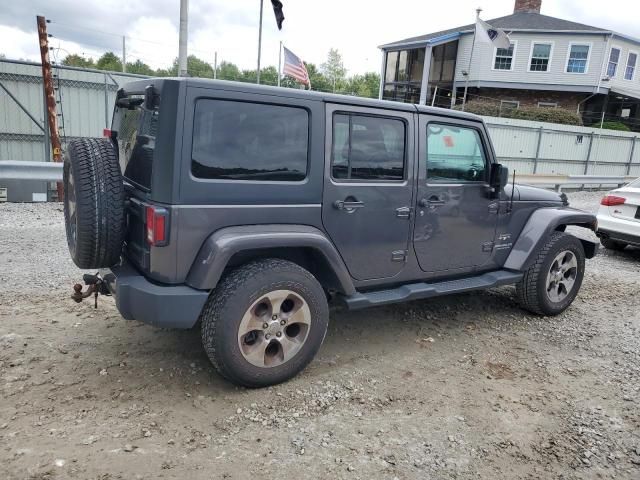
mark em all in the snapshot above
pixel 110 62
pixel 367 85
pixel 140 68
pixel 195 68
pixel 318 81
pixel 334 69
pixel 75 60
pixel 228 71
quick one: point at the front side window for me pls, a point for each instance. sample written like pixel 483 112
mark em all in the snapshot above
pixel 630 71
pixel 578 56
pixel 249 141
pixel 614 58
pixel 367 148
pixel 455 154
pixel 540 57
pixel 504 58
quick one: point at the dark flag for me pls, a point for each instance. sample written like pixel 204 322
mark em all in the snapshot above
pixel 294 67
pixel 277 9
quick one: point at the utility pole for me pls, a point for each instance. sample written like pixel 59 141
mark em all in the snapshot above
pixel 124 54
pixel 280 63
pixel 259 41
pixel 215 65
pixel 182 42
pixel 47 79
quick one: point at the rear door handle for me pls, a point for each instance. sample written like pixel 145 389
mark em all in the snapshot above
pixel 348 206
pixel 403 212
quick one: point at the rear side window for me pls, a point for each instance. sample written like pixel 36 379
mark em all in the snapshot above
pixel 135 133
pixel 454 154
pixel 367 148
pixel 249 141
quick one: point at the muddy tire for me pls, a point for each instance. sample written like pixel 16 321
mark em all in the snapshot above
pixel 93 203
pixel 264 322
pixel 551 284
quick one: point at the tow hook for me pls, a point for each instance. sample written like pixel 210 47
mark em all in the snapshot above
pixel 96 286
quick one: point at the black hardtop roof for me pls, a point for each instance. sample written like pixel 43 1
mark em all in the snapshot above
pixel 138 86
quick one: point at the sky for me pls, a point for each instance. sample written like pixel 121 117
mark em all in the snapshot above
pixel 230 27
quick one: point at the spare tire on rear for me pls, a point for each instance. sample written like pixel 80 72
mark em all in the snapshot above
pixel 93 203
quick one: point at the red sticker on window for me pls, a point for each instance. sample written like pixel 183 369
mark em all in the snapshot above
pixel 448 141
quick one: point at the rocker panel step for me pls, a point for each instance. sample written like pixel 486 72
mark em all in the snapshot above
pixel 416 291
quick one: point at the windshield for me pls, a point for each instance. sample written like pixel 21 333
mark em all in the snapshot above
pixel 635 183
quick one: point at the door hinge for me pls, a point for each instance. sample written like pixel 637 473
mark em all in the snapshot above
pixel 399 256
pixel 488 246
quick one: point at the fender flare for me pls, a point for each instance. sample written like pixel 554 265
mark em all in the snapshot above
pixel 542 223
pixel 219 247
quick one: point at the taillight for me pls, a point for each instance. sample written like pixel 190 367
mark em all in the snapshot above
pixel 157 226
pixel 106 133
pixel 611 200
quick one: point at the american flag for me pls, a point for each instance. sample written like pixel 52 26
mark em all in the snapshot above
pixel 294 67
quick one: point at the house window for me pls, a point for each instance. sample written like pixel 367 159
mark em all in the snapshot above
pixel 540 57
pixel 504 58
pixel 578 58
pixel 630 71
pixel 403 75
pixel 614 58
pixel 547 104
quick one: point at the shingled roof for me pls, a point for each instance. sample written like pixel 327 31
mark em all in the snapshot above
pixel 519 21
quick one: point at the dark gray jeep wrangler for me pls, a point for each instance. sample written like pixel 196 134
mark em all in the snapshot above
pixel 249 208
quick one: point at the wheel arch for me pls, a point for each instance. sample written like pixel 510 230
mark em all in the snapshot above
pixel 542 223
pixel 304 245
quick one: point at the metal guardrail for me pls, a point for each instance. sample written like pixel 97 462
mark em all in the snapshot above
pixel 52 172
pixel 558 181
pixel 23 170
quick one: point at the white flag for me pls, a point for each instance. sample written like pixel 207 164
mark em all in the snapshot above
pixel 485 33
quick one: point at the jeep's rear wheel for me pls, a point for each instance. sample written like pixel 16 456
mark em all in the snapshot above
pixel 551 284
pixel 264 322
pixel 93 203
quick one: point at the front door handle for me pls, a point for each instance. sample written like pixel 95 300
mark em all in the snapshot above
pixel 346 205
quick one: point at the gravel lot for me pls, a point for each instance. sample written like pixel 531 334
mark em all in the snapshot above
pixel 468 386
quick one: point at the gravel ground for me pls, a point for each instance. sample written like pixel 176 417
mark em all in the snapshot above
pixel 467 386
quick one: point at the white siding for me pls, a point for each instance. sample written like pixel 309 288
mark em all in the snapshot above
pixel 618 83
pixel 483 58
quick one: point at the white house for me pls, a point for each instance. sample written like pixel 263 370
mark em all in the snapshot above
pixel 551 63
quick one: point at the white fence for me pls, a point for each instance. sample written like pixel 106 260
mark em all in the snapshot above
pixel 548 148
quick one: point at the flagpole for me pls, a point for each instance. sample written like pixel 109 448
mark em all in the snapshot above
pixel 280 63
pixel 473 47
pixel 259 42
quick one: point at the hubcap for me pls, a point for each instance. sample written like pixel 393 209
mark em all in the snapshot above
pixel 562 276
pixel 274 328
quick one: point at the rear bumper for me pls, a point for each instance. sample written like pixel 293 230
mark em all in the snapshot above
pixel 627 231
pixel 167 306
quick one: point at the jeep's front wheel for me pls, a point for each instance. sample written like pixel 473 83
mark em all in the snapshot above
pixel 264 322
pixel 551 284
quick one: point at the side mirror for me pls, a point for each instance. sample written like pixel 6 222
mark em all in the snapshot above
pixel 499 177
